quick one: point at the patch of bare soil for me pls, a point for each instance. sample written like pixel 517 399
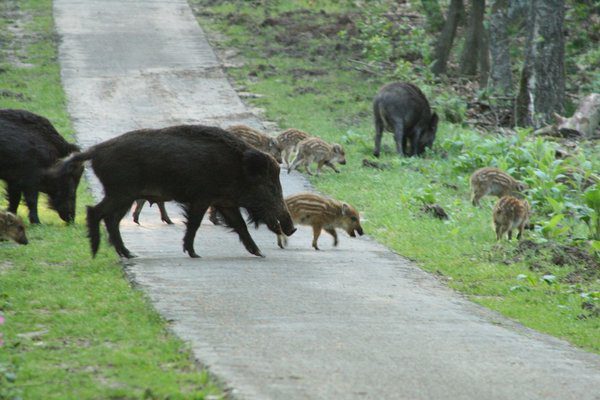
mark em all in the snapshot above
pixel 586 267
pixel 14 40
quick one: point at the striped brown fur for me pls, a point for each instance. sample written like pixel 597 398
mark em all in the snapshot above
pixel 322 213
pixel 12 227
pixel 288 141
pixel 493 182
pixel 317 150
pixel 260 140
pixel 510 213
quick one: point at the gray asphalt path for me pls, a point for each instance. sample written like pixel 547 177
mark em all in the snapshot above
pixel 353 322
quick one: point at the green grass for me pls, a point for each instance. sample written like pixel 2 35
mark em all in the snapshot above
pixel 74 329
pixel 336 105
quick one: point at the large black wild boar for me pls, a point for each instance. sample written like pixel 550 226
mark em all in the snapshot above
pixel 401 108
pixel 194 165
pixel 29 147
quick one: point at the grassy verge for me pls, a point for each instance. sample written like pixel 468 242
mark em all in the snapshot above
pixel 301 59
pixel 74 329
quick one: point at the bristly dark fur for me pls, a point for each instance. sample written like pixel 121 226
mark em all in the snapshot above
pixel 41 125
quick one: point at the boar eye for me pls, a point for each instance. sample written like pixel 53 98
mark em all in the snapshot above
pixel 353 219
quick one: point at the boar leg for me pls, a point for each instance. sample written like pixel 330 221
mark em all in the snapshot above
pixel 330 165
pixel 112 221
pixel 295 163
pixel 399 137
pixel 333 233
pixel 163 213
pixel 521 228
pixel 31 199
pixel 139 204
pixel 14 197
pixel 475 199
pixel 281 241
pixel 378 132
pixel 316 233
pixel 319 166
pixel 194 214
pixel 510 234
pixel 233 218
pixel 498 232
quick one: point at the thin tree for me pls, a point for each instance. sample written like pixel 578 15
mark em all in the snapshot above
pixel 446 38
pixel 542 84
pixel 475 48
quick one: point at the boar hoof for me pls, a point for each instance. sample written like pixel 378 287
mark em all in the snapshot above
pixel 191 253
pixel 127 254
pixel 257 253
pixel 376 154
pixel 167 220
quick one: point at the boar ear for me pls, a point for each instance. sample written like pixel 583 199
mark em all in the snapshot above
pixel 433 122
pixel 255 162
pixel 345 208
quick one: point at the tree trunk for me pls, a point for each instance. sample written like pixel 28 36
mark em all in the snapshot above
pixel 501 73
pixel 542 85
pixel 435 19
pixel 446 38
pixel 471 51
pixel 484 58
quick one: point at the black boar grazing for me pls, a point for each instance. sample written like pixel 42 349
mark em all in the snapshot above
pixel 29 147
pixel 194 165
pixel 401 108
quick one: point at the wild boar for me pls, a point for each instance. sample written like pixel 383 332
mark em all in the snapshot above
pixel 139 204
pixel 258 139
pixel 322 213
pixel 29 148
pixel 317 150
pixel 510 213
pixel 288 141
pixel 494 182
pixel 251 136
pixel 12 227
pixel 401 108
pixel 194 165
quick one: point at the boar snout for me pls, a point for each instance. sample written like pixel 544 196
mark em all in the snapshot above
pixel 23 240
pixel 287 224
pixel 275 227
pixel 360 231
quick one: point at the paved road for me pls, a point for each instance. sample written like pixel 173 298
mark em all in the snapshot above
pixel 354 322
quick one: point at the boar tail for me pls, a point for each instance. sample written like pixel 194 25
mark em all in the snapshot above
pixel 93 224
